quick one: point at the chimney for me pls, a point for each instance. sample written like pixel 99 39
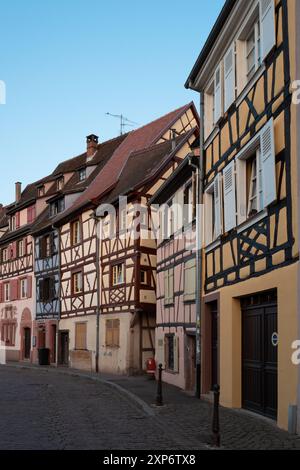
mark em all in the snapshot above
pixel 91 146
pixel 18 191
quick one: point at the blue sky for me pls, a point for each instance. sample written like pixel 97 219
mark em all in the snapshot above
pixel 67 62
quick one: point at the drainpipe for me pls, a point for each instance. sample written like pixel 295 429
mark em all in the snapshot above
pixel 59 295
pixel 199 264
pixel 297 59
pixel 98 280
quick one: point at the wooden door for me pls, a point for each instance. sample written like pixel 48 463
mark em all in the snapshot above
pixel 64 348
pixel 259 364
pixel 27 343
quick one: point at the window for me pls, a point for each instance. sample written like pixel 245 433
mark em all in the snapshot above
pixel 122 219
pixel 81 336
pixel 60 183
pixel 209 110
pixel 23 288
pixel 57 206
pixel 172 352
pixel 190 280
pixel 253 50
pixel 189 206
pixel 47 289
pixel 77 282
pixel 31 214
pixel 41 191
pixel 144 277
pixel 169 286
pixel 256 174
pixel 13 222
pixel 213 211
pixel 4 255
pixel 46 246
pixel 82 174
pixel 21 251
pixel 8 332
pixel 6 292
pixel 112 333
pixel 76 232
pixel 118 276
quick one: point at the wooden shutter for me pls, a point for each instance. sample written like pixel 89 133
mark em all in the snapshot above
pixel 17 219
pixel 179 210
pixel 267 155
pixel 80 335
pixel 229 197
pixel 109 333
pixel 14 250
pixel 1 292
pixel 217 202
pixel 176 353
pixel 29 287
pixel 267 26
pixel 217 94
pixel 166 286
pixel 229 78
pixel 171 285
pixel 14 289
pixel 41 290
pixel 116 333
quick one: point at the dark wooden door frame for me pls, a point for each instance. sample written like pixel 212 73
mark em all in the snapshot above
pixel 62 334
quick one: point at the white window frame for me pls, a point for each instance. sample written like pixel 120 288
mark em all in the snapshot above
pixel 24 288
pixel 6 292
pixel 77 279
pixel 118 274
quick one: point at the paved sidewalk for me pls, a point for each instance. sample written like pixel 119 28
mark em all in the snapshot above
pixel 189 419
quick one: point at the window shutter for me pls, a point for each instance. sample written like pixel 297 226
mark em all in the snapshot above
pixel 14 289
pixel 176 353
pixel 180 208
pixel 41 290
pixel 267 155
pixel 17 219
pixel 29 287
pixel 171 285
pixel 217 95
pixel 80 336
pixel 116 332
pixel 229 78
pixel 241 191
pixel 267 26
pixel 1 292
pixel 229 197
pixel 217 202
pixel 14 250
pixel 52 288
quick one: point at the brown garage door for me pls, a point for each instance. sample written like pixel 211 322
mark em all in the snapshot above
pixel 259 374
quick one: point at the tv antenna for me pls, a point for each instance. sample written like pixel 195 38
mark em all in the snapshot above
pixel 124 122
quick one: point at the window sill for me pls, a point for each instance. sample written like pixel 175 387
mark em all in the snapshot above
pixel 169 304
pixel 249 222
pixel 189 301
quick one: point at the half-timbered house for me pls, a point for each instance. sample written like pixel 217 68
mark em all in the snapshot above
pixel 176 276
pixel 17 303
pixel 249 314
pixel 95 343
pixel 61 189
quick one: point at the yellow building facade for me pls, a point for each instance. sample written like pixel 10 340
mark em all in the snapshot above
pixel 249 317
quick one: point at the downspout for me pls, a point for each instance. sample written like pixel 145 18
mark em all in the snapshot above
pixel 199 264
pixel 98 280
pixel 297 68
pixel 59 295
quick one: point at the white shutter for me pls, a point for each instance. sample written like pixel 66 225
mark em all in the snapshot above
pixel 171 285
pixel 176 353
pixel 241 190
pixel 229 78
pixel 267 155
pixel 166 286
pixel 179 211
pixel 267 26
pixel 229 197
pixel 217 95
pixel 217 208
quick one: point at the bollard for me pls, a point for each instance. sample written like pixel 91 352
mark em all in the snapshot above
pixel 159 399
pixel 216 422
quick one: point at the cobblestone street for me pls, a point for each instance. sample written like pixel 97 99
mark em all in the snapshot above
pixel 49 409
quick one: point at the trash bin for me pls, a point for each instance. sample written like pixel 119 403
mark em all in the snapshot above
pixel 44 356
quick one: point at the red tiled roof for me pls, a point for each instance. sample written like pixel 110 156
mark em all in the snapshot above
pixel 136 140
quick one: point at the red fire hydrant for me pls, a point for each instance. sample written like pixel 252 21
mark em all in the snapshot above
pixel 151 367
